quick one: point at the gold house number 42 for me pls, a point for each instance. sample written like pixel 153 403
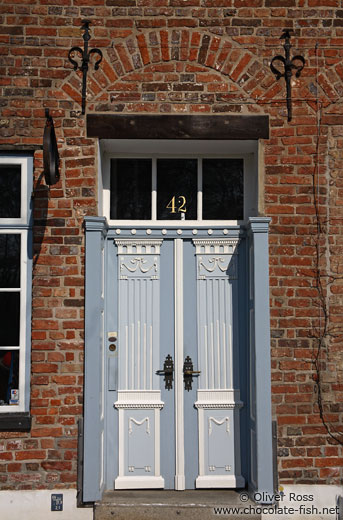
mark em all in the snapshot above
pixel 177 204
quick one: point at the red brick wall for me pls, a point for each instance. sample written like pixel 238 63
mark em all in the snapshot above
pixel 183 56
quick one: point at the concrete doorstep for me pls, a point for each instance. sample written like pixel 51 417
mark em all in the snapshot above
pixel 179 505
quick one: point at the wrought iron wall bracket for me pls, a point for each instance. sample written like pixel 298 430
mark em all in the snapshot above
pixel 85 55
pixel 288 66
pixel 50 152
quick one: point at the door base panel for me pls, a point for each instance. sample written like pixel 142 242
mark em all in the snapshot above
pixel 219 481
pixel 139 483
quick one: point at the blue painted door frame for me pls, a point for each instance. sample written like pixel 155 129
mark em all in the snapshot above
pixel 102 432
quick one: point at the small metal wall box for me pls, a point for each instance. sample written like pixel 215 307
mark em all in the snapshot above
pixel 57 502
pixel 85 55
pixel 288 66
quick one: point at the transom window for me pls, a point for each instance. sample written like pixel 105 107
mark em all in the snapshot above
pixel 177 189
pixel 163 181
pixel 15 282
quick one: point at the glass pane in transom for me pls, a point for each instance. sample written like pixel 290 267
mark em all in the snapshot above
pixel 10 190
pixel 9 260
pixel 223 189
pixel 177 189
pixel 131 189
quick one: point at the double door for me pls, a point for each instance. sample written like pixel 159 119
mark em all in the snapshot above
pixel 176 326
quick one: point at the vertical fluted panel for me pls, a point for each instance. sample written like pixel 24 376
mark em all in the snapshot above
pixel 215 333
pixel 138 345
pixel 216 277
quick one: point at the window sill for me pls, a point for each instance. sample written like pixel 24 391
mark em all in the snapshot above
pixel 19 422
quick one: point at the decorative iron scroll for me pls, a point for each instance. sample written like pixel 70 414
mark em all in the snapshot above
pixel 50 152
pixel 289 66
pixel 85 55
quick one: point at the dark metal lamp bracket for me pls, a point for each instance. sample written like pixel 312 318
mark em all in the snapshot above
pixel 288 66
pixel 85 55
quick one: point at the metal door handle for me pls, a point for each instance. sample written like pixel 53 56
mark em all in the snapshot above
pixel 167 372
pixel 164 372
pixel 189 373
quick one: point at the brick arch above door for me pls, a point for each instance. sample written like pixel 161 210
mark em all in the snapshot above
pixel 178 71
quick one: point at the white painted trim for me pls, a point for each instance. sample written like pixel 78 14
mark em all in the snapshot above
pixel 22 290
pixel 139 483
pixel 23 316
pixel 102 458
pixel 121 444
pixel 220 399
pixel 106 182
pixel 157 443
pixel 102 347
pixel 179 396
pixel 251 184
pixel 216 246
pixel 154 190
pixel 220 481
pixel 173 223
pixel 201 442
pixel 140 399
pixel 229 355
pixel 134 246
pixel 200 192
pixel 237 438
pixel 23 162
pixel 100 177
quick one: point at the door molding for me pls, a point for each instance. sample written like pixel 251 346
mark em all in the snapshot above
pixel 128 403
pixel 139 401
pixel 228 403
pixel 218 400
pixel 179 396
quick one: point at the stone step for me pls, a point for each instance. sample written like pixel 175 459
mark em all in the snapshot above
pixel 174 505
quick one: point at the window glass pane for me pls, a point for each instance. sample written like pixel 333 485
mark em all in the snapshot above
pixel 177 189
pixel 10 190
pixel 9 377
pixel 9 260
pixel 9 318
pixel 222 189
pixel 131 189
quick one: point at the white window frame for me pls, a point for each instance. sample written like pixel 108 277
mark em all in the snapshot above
pixel 23 227
pixel 154 149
